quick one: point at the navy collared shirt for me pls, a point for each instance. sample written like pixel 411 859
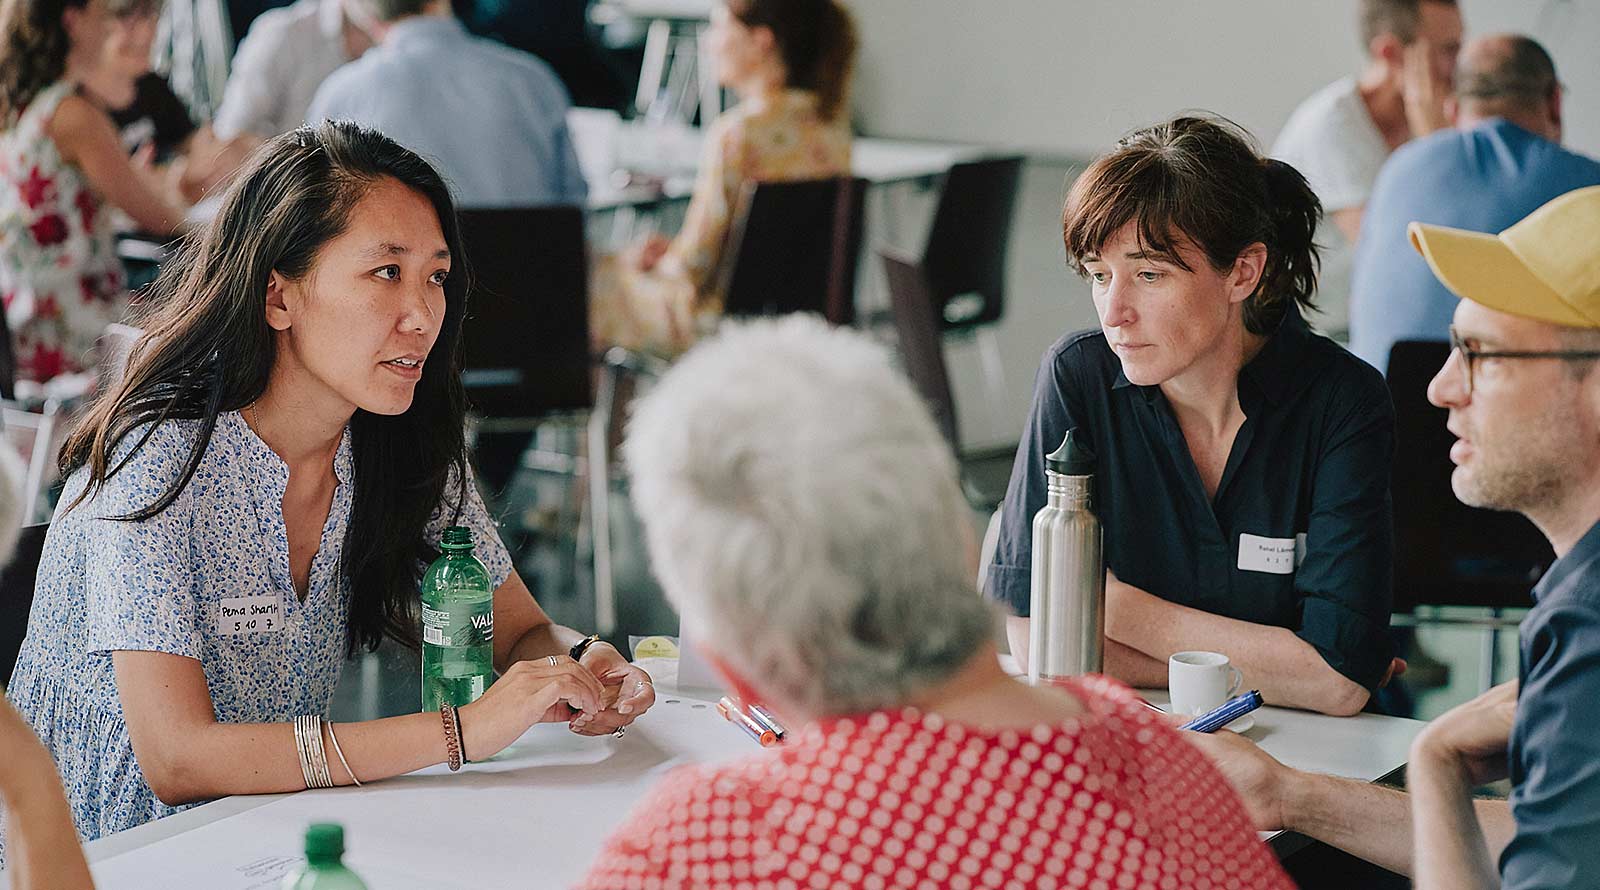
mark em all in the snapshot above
pixel 1300 533
pixel 1554 754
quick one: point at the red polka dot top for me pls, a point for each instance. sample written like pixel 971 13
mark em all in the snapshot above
pixel 1113 799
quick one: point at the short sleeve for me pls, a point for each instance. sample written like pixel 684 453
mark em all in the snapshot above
pixel 1556 761
pixel 487 546
pixel 138 575
pixel 1338 153
pixel 1057 407
pixel 641 847
pixel 1346 580
pixel 252 102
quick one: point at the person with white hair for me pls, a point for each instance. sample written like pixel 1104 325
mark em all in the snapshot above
pixel 803 515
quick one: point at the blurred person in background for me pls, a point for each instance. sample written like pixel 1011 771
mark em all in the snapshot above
pixel 790 62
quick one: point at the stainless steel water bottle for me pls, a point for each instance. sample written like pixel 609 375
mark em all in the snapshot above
pixel 1067 630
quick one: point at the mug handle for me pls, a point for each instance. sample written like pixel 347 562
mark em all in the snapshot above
pixel 1237 684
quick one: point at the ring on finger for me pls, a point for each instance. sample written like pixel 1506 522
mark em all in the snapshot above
pixel 619 732
pixel 554 661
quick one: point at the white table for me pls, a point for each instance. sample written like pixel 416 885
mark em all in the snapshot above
pixel 543 807
pixel 533 817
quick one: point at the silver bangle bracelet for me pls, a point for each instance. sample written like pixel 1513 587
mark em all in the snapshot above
pixel 342 762
pixel 313 756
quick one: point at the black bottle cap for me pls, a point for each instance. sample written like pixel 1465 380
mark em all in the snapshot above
pixel 1073 458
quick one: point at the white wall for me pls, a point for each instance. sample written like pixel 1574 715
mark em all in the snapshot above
pixel 1065 78
pixel 1070 76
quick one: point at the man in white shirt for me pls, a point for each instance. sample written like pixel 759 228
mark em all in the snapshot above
pixel 1340 136
pixel 281 62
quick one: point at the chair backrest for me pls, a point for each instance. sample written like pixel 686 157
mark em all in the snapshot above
pixel 34 433
pixel 525 341
pixel 16 595
pixel 794 247
pixel 8 361
pixel 966 254
pixel 921 346
pixel 1447 553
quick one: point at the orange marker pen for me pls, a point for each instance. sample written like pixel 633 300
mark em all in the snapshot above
pixel 731 712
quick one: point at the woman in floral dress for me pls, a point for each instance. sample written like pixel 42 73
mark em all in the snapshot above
pixel 60 162
pixel 790 62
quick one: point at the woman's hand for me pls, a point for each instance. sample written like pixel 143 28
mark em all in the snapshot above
pixel 635 692
pixel 531 691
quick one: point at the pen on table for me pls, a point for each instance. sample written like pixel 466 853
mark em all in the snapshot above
pixel 730 711
pixel 765 718
pixel 1230 711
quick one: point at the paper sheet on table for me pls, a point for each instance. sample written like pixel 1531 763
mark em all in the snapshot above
pixel 534 817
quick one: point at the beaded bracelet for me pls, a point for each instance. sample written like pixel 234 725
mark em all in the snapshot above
pixel 452 736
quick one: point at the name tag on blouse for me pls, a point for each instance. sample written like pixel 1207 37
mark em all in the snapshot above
pixel 1275 556
pixel 249 615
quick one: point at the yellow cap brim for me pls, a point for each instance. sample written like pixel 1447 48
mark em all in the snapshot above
pixel 1481 268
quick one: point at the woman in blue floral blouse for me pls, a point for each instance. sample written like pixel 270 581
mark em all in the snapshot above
pixel 289 432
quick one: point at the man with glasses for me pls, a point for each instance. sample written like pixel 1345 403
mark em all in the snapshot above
pixel 1523 389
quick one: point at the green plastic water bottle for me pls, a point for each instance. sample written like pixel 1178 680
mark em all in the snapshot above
pixel 457 624
pixel 323 870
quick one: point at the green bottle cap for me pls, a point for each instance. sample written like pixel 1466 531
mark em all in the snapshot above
pixel 456 537
pixel 1073 458
pixel 324 842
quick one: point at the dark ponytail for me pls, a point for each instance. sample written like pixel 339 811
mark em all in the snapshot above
pixel 1203 178
pixel 1291 272
pixel 817 41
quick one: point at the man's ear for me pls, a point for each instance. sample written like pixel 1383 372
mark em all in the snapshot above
pixel 277 306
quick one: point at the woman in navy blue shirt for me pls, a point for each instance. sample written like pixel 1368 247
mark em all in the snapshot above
pixel 1243 461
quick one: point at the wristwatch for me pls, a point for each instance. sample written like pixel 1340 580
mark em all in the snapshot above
pixel 583 646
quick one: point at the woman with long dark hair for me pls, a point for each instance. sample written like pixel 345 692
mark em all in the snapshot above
pixel 61 161
pixel 1242 460
pixel 289 435
pixel 790 62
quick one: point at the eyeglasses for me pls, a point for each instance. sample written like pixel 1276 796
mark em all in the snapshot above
pixel 1470 354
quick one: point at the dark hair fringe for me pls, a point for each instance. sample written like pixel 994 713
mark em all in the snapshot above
pixel 1200 177
pixel 208 349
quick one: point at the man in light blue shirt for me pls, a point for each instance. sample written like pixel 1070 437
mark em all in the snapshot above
pixel 492 118
pixel 1502 161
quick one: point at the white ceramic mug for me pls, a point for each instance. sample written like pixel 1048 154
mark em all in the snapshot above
pixel 1201 681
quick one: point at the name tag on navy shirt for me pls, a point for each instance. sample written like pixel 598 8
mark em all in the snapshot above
pixel 249 615
pixel 1275 556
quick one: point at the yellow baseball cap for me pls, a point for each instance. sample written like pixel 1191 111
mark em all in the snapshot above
pixel 1546 267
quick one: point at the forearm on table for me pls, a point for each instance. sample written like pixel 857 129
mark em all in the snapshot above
pixel 194 763
pixel 1285 668
pixel 1133 667
pixel 1451 850
pixel 1373 822
pixel 540 641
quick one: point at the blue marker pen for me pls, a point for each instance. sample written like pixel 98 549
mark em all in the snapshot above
pixel 1227 713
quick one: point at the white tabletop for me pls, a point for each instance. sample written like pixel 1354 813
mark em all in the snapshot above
pixel 543 807
pixel 605 143
pixel 682 10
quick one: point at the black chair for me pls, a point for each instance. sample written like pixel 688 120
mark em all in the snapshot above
pixel 16 596
pixel 525 339
pixel 1447 553
pixel 794 247
pixel 985 473
pixel 965 257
